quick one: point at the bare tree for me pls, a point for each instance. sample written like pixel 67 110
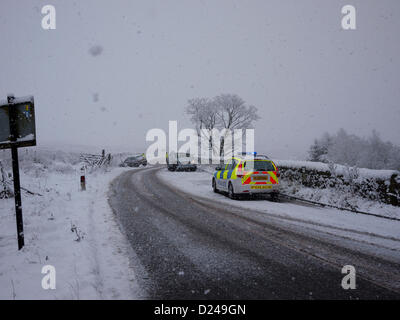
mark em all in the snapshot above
pixel 203 115
pixel 226 111
pixel 233 113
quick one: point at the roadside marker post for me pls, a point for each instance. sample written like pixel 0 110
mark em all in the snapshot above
pixel 17 129
pixel 83 183
pixel 83 178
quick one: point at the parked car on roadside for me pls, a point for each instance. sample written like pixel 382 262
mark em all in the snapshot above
pixel 246 175
pixel 135 161
pixel 180 162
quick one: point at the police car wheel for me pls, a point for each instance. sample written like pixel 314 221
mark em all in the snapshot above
pixel 214 186
pixel 231 193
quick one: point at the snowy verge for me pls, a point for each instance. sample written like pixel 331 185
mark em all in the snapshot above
pixel 368 229
pixel 74 231
pixel 341 185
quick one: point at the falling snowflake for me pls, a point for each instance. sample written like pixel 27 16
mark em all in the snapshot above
pixel 96 50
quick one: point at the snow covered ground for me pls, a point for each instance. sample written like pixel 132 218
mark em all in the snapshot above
pixel 367 229
pixel 74 231
pixel 77 233
pixel 330 195
pixel 338 169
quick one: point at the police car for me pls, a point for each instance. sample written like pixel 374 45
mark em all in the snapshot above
pixel 247 174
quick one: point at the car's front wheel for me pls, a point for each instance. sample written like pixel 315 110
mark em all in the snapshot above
pixel 231 192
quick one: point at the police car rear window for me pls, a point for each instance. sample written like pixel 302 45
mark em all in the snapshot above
pixel 259 165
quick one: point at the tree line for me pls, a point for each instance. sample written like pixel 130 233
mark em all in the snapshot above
pixel 349 149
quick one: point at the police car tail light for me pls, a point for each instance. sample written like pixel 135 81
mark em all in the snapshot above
pixel 278 174
pixel 240 173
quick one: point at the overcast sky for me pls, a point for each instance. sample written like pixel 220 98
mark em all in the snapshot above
pixel 291 59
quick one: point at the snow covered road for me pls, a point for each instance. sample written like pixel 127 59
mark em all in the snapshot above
pixel 191 243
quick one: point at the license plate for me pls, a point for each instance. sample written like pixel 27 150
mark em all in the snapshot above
pixel 258 178
pixel 260 187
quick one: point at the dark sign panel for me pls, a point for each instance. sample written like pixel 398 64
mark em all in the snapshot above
pixel 24 113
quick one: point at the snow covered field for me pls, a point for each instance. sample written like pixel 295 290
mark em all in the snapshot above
pixel 366 229
pixel 74 231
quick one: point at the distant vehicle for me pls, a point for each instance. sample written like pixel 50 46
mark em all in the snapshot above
pixel 135 161
pixel 180 162
pixel 247 174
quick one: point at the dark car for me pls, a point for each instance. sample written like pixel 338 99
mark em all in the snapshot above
pixel 135 161
pixel 181 162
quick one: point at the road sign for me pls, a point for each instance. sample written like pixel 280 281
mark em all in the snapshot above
pixel 20 113
pixel 17 129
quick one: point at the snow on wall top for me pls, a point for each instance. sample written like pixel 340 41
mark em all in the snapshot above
pixel 339 169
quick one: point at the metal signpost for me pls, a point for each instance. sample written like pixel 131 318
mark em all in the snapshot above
pixel 17 129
